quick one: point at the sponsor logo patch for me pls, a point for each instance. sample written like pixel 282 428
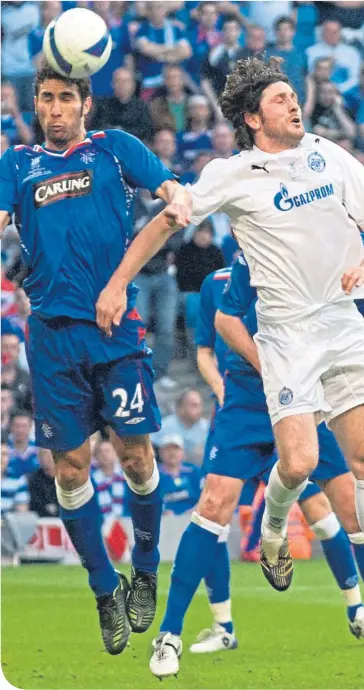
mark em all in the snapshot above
pixel 285 396
pixel 66 186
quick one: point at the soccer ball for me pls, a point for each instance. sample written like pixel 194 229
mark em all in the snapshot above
pixel 77 43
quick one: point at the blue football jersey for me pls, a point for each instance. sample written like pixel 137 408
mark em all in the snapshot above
pixel 239 299
pixel 211 293
pixel 74 213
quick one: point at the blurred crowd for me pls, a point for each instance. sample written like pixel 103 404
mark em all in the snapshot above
pixel 167 68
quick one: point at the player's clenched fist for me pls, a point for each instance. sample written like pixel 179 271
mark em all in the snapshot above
pixel 110 306
pixel 353 277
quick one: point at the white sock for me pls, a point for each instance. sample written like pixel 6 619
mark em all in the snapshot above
pixel 71 500
pixel 149 486
pixel 279 501
pixel 327 527
pixel 359 502
pixel 222 611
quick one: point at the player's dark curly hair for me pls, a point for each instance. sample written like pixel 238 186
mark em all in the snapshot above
pixel 243 91
pixel 47 72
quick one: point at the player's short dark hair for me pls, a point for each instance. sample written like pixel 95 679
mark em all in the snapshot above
pixel 284 20
pixel 243 92
pixel 47 72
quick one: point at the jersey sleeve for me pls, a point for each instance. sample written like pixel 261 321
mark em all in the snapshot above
pixel 141 167
pixel 353 183
pixel 8 182
pixel 205 329
pixel 209 193
pixel 239 294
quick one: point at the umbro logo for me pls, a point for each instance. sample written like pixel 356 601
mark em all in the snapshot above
pixel 135 420
pixel 260 167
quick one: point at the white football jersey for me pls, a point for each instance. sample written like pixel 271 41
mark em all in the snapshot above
pixel 296 215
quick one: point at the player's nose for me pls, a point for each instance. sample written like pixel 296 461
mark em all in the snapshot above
pixel 56 109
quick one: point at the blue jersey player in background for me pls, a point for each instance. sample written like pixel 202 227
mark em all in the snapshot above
pixel 244 449
pixel 90 366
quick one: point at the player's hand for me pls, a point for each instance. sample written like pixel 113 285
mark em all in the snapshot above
pixel 110 307
pixel 353 277
pixel 177 215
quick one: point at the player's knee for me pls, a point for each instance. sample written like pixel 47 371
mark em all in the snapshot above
pixel 349 519
pixel 295 468
pixel 215 503
pixel 71 470
pixel 137 458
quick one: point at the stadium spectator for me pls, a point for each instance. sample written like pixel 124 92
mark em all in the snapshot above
pixel 197 258
pixel 223 140
pixel 17 20
pixel 109 482
pixel 321 73
pixel 354 103
pixel 16 125
pixel 168 108
pixel 180 481
pixel 196 167
pixel 7 405
pixel 124 110
pixel 220 62
pixel 10 348
pixel 188 423
pixel 49 9
pixel 346 59
pixel 7 289
pixel 23 456
pixel 157 42
pixel 255 42
pixel 198 135
pixel 18 380
pixel 42 488
pixel 295 61
pixel 203 37
pixel 265 14
pixel 158 293
pixel 349 13
pixel 165 146
pixel 305 16
pixel 329 118
pixel 102 81
pixel 14 490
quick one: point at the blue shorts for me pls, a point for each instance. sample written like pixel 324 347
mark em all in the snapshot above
pixel 76 391
pixel 243 441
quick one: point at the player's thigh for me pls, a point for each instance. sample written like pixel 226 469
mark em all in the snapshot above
pixel 127 401
pixel 348 429
pixel 340 491
pixel 292 360
pixel 315 507
pixel 136 455
pixel 63 396
pixel 72 467
pixel 297 445
pixel 219 498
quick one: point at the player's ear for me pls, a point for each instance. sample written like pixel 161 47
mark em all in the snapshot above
pixel 87 105
pixel 252 120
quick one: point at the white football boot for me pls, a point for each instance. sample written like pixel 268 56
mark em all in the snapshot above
pixel 165 658
pixel 214 639
pixel 357 625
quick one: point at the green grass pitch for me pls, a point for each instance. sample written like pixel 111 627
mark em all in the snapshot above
pixel 296 639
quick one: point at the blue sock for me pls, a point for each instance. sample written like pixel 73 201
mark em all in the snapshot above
pixel 359 555
pixel 218 581
pixel 340 559
pixel 254 537
pixel 195 558
pixel 84 528
pixel 146 513
pixel 352 611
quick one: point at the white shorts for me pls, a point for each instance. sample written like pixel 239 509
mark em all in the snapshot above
pixel 315 365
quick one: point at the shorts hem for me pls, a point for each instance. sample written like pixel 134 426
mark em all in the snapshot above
pixel 305 409
pixel 329 417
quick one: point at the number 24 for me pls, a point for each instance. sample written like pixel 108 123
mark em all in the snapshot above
pixel 137 402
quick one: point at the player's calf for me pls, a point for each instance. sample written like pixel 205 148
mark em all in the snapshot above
pixel 145 502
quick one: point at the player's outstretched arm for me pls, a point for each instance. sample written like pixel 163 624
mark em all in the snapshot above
pixel 111 304
pixel 237 337
pixel 207 365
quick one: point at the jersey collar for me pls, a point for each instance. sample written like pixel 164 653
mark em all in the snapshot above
pixel 67 152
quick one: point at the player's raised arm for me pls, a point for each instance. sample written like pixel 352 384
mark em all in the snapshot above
pixel 4 221
pixel 205 341
pixel 8 188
